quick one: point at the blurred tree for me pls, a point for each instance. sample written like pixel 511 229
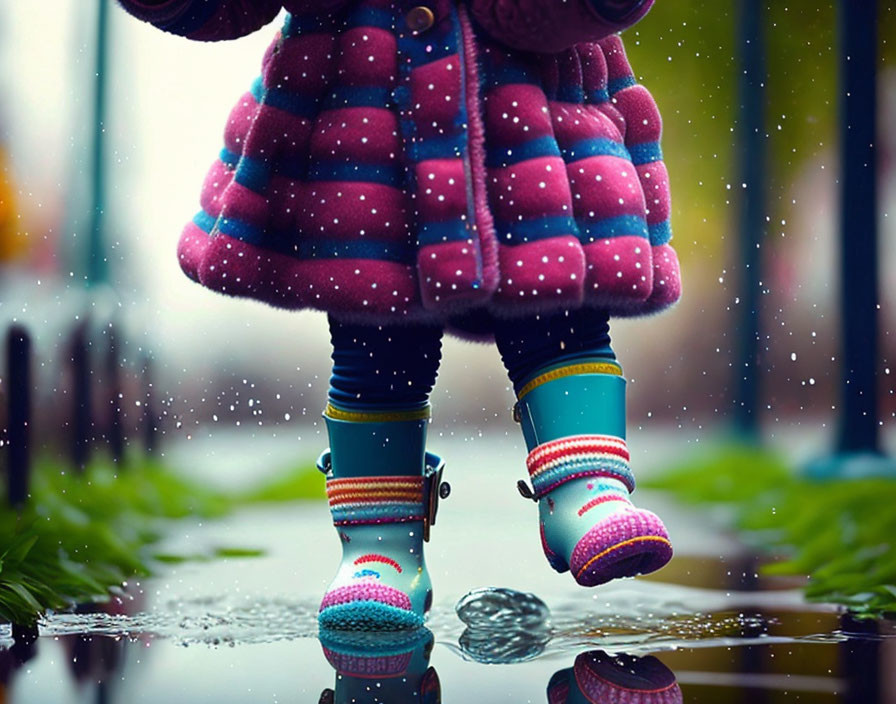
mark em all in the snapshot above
pixel 684 52
pixel 12 240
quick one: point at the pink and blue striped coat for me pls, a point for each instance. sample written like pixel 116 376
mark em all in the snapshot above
pixel 445 162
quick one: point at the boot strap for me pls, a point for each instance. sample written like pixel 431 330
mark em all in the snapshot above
pixel 389 499
pixel 433 490
pixel 559 461
pixel 375 500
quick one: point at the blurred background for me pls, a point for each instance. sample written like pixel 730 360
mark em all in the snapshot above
pixel 220 362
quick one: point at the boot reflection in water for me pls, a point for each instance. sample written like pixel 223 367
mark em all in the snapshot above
pixel 380 668
pixel 599 678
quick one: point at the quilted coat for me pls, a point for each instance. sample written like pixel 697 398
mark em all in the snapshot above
pixel 442 162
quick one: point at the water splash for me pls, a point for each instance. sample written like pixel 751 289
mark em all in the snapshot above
pixel 506 626
pixel 497 607
pixel 209 621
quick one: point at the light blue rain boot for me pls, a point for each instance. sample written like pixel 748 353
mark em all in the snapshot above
pixel 573 419
pixel 383 490
pixel 380 668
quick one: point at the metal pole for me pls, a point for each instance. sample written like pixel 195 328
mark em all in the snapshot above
pixel 858 226
pixel 82 421
pixel 97 262
pixel 752 168
pixel 19 402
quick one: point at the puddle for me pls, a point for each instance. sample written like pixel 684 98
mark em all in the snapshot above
pixel 629 645
pixel 705 629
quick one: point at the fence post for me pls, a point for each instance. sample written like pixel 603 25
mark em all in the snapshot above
pixel 20 392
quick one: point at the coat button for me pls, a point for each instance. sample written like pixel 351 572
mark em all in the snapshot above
pixel 419 19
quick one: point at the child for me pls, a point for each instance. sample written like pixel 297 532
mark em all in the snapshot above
pixel 488 167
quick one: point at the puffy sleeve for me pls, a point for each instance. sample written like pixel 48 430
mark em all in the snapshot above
pixel 205 20
pixel 550 26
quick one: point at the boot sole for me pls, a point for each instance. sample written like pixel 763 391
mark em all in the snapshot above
pixel 368 616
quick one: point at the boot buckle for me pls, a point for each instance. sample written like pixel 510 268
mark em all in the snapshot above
pixel 525 491
pixel 324 462
pixel 433 490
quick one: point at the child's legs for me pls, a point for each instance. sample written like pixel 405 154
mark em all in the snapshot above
pixel 376 421
pixel 378 398
pixel 589 396
pixel 383 367
pixel 529 344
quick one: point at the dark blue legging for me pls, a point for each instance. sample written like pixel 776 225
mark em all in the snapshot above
pixel 395 366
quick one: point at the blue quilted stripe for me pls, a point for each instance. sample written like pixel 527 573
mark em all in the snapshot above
pixel 600 95
pixel 570 93
pixel 660 233
pixel 497 157
pixel 204 221
pixel 358 97
pixel 243 231
pixel 646 153
pixel 371 17
pixel 617 84
pixel 294 103
pixel 252 173
pixel 430 46
pixel 368 173
pixel 438 147
pixel 284 242
pixel 613 227
pixel 507 72
pixel 543 482
pixel 594 147
pixel 515 233
pixel 229 158
pixel 439 232
pixel 192 18
pixel 400 253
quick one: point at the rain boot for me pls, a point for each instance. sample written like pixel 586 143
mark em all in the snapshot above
pixel 573 420
pixel 597 678
pixel 383 490
pixel 380 668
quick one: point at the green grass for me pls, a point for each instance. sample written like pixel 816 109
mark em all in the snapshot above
pixel 839 534
pixel 81 535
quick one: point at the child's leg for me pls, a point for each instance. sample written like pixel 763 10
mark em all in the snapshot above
pixel 571 405
pixel 376 421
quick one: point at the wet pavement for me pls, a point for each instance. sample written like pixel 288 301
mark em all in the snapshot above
pixel 707 628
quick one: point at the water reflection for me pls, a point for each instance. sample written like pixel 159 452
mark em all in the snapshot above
pixel 600 678
pixel 380 668
pixel 96 662
pixel 12 659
